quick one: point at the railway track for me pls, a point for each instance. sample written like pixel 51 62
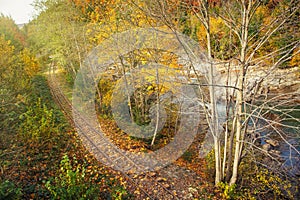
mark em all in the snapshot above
pixel 149 186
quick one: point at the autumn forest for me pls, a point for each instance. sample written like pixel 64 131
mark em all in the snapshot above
pixel 151 99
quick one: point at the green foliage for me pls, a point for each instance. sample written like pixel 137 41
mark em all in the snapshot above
pixel 120 193
pixel 228 191
pixel 11 31
pixel 71 182
pixel 210 167
pixel 9 191
pixel 69 79
pixel 38 121
pixel 17 66
pixel 42 118
pixel 40 89
pixel 141 103
pixel 13 85
pixel 57 35
pixel 187 155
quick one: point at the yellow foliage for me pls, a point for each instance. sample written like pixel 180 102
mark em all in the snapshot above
pixel 262 11
pixel 228 192
pixel 7 59
pixel 266 181
pixel 106 89
pixel 201 35
pixel 118 17
pixel 295 61
pixel 31 65
pixel 216 24
pixel 5 47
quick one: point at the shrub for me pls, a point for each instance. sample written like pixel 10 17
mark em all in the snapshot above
pixel 210 165
pixel 72 183
pixel 8 190
pixel 38 121
pixel 188 156
pixel 120 193
pixel 270 184
pixel 228 191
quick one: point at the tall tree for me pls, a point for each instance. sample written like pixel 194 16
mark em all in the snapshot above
pixel 57 34
pixel 11 32
pixel 249 31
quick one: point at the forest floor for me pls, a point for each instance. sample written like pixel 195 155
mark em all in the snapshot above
pixel 30 163
pixel 27 164
pixel 188 177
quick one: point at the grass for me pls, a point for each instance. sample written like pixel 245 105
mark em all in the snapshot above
pixel 28 163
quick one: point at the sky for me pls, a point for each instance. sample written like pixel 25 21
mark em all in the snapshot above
pixel 20 10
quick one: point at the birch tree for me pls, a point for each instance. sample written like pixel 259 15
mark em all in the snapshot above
pixel 238 16
pixel 249 38
pixel 202 12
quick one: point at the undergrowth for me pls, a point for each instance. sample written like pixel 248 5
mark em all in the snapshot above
pixel 37 165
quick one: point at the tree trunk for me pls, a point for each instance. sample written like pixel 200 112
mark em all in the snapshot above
pixel 157 107
pixel 246 7
pixel 239 102
pixel 214 114
pixel 127 90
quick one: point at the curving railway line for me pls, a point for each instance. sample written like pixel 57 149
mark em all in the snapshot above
pixel 149 189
